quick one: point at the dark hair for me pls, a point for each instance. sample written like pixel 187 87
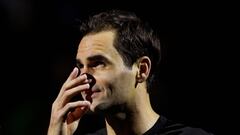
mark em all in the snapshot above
pixel 134 38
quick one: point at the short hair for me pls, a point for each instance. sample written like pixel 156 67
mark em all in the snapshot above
pixel 134 38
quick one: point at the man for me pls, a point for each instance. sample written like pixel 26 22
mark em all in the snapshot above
pixel 117 58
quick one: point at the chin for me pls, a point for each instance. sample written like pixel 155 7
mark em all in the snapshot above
pixel 99 107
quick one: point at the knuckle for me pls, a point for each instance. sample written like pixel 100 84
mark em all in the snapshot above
pixel 68 105
pixel 64 86
pixel 67 93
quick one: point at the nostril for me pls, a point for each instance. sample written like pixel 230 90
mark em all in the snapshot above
pixel 91 79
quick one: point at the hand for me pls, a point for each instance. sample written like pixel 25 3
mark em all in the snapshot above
pixel 65 115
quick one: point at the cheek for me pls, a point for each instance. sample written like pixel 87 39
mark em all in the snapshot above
pixel 121 84
pixel 116 84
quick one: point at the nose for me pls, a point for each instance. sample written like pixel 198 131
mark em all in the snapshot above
pixel 89 76
pixel 91 79
pixel 83 70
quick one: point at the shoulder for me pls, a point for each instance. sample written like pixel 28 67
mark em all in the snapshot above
pixel 180 129
pixel 163 126
pixel 99 132
pixel 166 127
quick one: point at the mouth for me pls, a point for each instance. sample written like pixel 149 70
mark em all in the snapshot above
pixel 90 94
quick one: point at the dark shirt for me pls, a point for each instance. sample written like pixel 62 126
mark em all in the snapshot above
pixel 163 126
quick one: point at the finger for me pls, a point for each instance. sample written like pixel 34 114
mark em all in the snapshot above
pixel 77 81
pixel 69 94
pixel 72 82
pixel 73 74
pixel 70 106
pixel 76 114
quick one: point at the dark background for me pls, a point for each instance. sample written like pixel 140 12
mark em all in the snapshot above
pixel 38 44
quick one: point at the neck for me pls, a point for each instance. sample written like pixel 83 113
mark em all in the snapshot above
pixel 134 121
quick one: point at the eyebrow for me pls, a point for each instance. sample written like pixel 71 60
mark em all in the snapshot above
pixel 94 58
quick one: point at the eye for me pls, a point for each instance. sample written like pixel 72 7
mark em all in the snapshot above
pixel 97 64
pixel 79 66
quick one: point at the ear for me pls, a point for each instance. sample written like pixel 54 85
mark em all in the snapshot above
pixel 144 67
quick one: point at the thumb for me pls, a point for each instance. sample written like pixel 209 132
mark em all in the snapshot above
pixel 76 114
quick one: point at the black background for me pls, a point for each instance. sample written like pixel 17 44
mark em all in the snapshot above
pixel 38 47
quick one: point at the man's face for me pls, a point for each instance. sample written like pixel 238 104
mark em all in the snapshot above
pixel 115 82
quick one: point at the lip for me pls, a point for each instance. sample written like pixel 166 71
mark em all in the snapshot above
pixel 95 93
pixel 89 94
pixel 96 90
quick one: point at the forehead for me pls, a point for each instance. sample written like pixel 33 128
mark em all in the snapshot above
pixel 97 44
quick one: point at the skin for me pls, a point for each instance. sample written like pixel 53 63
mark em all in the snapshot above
pixel 114 81
pixel 120 91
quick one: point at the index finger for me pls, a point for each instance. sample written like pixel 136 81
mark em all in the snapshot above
pixel 72 76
